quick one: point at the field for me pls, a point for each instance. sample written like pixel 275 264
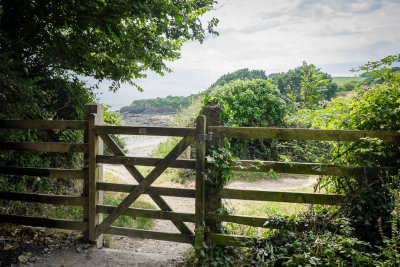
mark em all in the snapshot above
pixel 340 81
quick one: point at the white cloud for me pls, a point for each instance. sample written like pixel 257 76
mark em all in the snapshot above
pixel 278 35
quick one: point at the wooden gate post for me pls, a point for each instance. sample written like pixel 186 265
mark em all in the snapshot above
pixel 94 113
pixel 212 200
pixel 199 194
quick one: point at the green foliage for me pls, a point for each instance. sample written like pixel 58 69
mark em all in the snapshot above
pixel 127 221
pixel 219 162
pixel 249 103
pixel 242 74
pixel 186 117
pixel 305 84
pixel 181 103
pixel 320 243
pixel 372 108
pixel 115 40
pixel 391 250
pixel 312 85
pixel 113 118
pixel 246 103
pixel 340 81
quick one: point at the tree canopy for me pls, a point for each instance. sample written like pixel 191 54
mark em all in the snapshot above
pixel 239 74
pixel 306 84
pixel 115 40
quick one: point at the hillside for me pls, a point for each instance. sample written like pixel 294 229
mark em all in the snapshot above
pixel 159 105
pixel 171 104
pixel 340 81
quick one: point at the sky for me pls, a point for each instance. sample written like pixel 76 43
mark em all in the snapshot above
pixel 275 36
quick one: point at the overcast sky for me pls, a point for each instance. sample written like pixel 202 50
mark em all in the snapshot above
pixel 276 36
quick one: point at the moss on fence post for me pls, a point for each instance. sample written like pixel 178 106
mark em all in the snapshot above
pixel 212 200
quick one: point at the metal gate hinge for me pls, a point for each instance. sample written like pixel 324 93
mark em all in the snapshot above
pixel 204 137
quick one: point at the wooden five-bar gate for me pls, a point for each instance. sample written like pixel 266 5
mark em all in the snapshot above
pixel 207 203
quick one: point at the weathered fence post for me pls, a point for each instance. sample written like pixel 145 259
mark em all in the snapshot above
pixel 199 195
pixel 94 113
pixel 212 200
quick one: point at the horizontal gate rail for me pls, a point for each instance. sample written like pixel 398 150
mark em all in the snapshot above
pixel 182 238
pixel 152 191
pixel 46 147
pixel 311 168
pixel 44 222
pixel 154 214
pixel 278 196
pixel 302 134
pixel 229 240
pixel 148 130
pixel 141 161
pixel 44 198
pixel 43 124
pixel 241 219
pixel 46 172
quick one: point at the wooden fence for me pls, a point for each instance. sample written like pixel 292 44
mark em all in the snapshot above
pixel 206 218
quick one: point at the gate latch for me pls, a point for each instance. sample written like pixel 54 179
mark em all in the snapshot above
pixel 204 137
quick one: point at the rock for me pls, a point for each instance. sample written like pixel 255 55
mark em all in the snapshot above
pixel 147 109
pixel 9 247
pixel 23 258
pixel 79 249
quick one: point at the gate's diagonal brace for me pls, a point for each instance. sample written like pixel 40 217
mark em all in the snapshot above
pixel 144 184
pixel 160 202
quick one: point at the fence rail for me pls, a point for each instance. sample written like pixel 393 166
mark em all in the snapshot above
pixel 46 172
pixel 56 173
pixel 43 124
pixel 46 147
pixel 141 161
pixel 302 134
pixel 207 202
pixel 148 130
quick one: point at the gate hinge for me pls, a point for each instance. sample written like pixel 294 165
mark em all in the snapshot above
pixel 204 137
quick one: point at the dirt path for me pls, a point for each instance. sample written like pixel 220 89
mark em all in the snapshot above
pixel 142 147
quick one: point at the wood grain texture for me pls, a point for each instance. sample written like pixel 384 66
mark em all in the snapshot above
pixel 46 172
pixel 145 130
pixel 44 198
pixel 312 168
pixel 290 197
pixel 141 161
pixel 147 213
pixel 302 134
pixel 181 238
pixel 46 147
pixel 153 190
pixel 44 124
pixel 200 184
pixel 43 222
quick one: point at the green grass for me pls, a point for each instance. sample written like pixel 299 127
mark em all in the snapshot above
pixel 114 199
pixel 340 81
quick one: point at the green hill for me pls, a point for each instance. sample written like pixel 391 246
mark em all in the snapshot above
pixel 340 81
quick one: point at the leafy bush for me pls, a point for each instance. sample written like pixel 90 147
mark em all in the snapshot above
pixel 372 108
pixel 249 103
pixel 296 84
